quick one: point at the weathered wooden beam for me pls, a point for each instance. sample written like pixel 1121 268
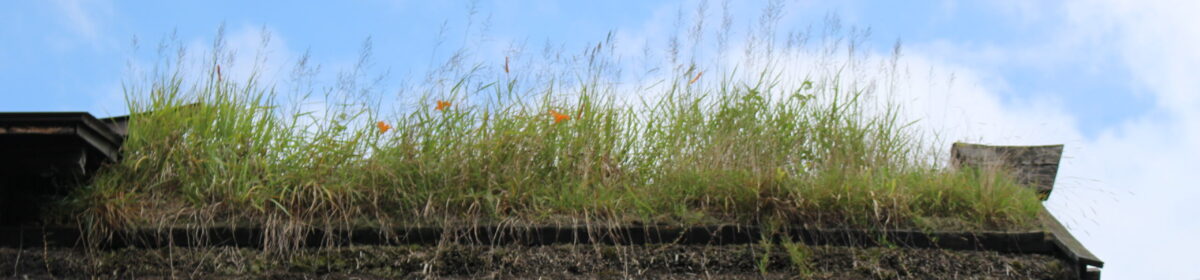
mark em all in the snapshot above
pixel 1033 166
pixel 1067 242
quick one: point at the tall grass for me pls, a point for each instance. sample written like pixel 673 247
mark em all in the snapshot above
pixel 717 146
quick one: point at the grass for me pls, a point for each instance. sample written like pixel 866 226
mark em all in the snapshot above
pixel 484 145
pixel 800 256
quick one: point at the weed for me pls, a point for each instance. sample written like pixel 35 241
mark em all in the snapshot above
pixel 764 261
pixel 800 256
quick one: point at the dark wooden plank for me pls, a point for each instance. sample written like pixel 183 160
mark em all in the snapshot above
pixel 90 132
pixel 1067 242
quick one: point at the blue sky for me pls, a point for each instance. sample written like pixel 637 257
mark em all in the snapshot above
pixel 68 50
pixel 1112 79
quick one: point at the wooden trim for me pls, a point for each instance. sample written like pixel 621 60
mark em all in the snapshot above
pixel 1066 242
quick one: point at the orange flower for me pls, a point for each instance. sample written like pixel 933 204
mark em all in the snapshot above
pixel 693 81
pixel 383 127
pixel 558 117
pixel 442 105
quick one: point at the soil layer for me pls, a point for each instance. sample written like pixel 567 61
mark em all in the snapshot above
pixel 554 261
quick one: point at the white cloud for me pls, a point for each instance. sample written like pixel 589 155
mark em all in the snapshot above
pixel 80 21
pixel 1151 232
pixel 1129 192
pixel 85 18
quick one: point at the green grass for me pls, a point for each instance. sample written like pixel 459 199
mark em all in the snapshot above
pixel 724 149
pixel 800 256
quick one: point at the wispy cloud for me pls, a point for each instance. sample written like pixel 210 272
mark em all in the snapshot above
pixel 82 16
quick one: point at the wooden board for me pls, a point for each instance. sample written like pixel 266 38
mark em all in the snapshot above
pixel 1067 242
pixel 1034 166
